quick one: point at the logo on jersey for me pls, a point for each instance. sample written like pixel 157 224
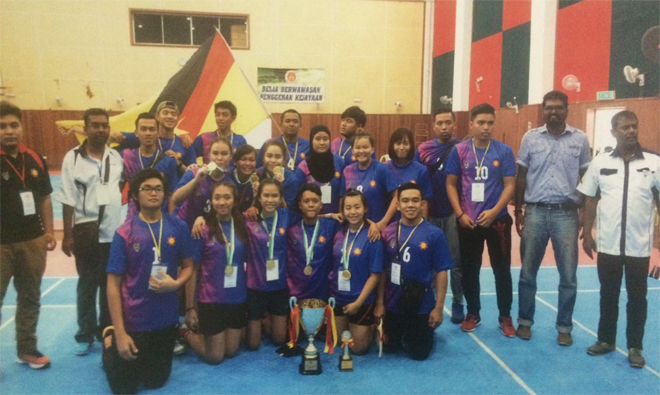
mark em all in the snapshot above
pixel 136 247
pixel 337 174
pixel 353 158
pixel 357 252
pixel 496 163
pixel 302 155
pixel 466 164
pixel 372 183
pixel 34 173
pixel 321 239
pixel 171 241
pixel 423 245
pixel 282 231
pixel 392 244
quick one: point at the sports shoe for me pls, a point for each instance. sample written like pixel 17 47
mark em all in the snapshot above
pixel 635 358
pixel 470 323
pixel 564 339
pixel 82 348
pixel 180 342
pixel 506 324
pixel 35 360
pixel 600 348
pixel 457 315
pixel 524 332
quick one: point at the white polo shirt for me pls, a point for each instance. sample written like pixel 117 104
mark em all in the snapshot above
pixel 82 177
pixel 625 214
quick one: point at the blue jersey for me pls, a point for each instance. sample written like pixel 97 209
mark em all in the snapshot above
pixel 413 172
pixel 429 153
pixel 290 185
pixel 298 149
pixel 375 182
pixel 199 202
pixel 425 252
pixel 185 155
pixel 304 175
pixel 202 144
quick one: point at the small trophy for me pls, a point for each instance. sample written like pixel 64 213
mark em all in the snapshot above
pixel 346 361
pixel 314 313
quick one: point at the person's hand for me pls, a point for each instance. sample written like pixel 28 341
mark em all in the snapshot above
pixel 173 154
pixel 67 245
pixel 520 222
pixel 436 317
pixel 381 225
pixel 374 233
pixel 351 308
pixel 588 244
pixel 379 310
pixel 126 347
pixel 198 228
pixel 186 140
pixel 51 242
pixel 191 320
pixel 163 284
pixel 279 178
pixel 486 218
pixel 255 189
pixel 73 129
pixel 202 172
pixel 116 137
pixel 252 213
pixel 337 217
pixel 466 222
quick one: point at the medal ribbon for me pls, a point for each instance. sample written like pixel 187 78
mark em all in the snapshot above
pixel 346 253
pixel 229 245
pixel 398 237
pixel 22 174
pixel 160 144
pixel 309 249
pixel 152 163
pixel 271 235
pixel 157 244
pixel 295 154
pixel 340 147
pixel 476 159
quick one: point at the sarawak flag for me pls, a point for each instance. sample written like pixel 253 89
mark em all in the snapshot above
pixel 210 75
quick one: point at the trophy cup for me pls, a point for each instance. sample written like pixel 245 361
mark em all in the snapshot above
pixel 346 361
pixel 314 313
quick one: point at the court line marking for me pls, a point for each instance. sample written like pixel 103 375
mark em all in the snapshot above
pixel 497 359
pixel 594 334
pixel 556 292
pixel 46 292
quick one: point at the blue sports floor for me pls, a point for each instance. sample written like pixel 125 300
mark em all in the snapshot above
pixel 484 362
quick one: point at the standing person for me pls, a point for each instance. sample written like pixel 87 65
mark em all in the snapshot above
pixel 225 115
pixel 433 154
pixel 486 169
pixel 323 168
pixel 216 309
pixel 356 266
pixel 415 250
pixel 245 159
pixel 150 259
pixel 296 146
pixel 273 168
pixel 91 197
pixel 26 230
pixel 353 121
pixel 628 180
pixel 551 161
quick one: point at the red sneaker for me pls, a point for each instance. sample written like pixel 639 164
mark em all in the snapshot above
pixel 470 323
pixel 507 326
pixel 35 360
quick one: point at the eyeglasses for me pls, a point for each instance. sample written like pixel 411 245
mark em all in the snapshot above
pixel 149 190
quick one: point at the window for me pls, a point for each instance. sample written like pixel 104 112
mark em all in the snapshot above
pixel 161 28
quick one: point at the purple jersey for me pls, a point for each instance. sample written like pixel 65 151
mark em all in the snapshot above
pixel 135 163
pixel 366 257
pixel 498 163
pixel 202 144
pixel 185 155
pixel 199 202
pixel 425 252
pixel 344 148
pixel 290 185
pixel 375 182
pixel 212 260
pixel 132 256
pixel 314 286
pixel 303 174
pixel 413 172
pixel 428 154
pixel 298 149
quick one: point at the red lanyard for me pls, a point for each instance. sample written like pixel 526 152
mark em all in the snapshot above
pixel 22 175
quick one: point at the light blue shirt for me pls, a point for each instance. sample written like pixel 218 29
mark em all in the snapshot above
pixel 553 164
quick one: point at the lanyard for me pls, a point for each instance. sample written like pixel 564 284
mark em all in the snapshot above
pixel 398 237
pixel 479 165
pixel 309 249
pixel 153 236
pixel 22 174
pixel 288 151
pixel 231 139
pixel 229 244
pixel 341 145
pixel 160 144
pixel 271 241
pixel 346 253
pixel 152 163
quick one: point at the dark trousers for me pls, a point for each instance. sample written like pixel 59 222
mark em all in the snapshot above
pixel 610 274
pixel 91 262
pixel 498 240
pixel 410 332
pixel 151 368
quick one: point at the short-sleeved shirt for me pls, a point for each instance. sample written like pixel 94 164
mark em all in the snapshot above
pixel 314 286
pixel 202 144
pixel 625 213
pixel 199 202
pixel 290 185
pixel 14 225
pixel 413 172
pixel 245 192
pixel 428 154
pixel 553 164
pixel 211 256
pixel 365 258
pixel 185 155
pixel 498 163
pixel 425 252
pixel 344 148
pixel 132 256
pixel 375 182
pixel 299 149
pixel 303 174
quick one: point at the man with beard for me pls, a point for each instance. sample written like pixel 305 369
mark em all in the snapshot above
pixel 551 161
pixel 297 147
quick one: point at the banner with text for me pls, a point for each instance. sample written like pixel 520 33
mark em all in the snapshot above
pixel 291 85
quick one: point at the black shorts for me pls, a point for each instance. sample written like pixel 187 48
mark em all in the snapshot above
pixel 215 318
pixel 273 302
pixel 364 316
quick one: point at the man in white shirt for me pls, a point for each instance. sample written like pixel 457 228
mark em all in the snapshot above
pixel 91 197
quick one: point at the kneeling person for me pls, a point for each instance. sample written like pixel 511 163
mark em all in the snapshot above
pixel 145 256
pixel 415 249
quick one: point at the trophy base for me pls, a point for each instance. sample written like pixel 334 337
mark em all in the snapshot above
pixel 310 365
pixel 346 365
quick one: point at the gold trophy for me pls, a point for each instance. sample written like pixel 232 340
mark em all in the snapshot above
pixel 346 361
pixel 312 314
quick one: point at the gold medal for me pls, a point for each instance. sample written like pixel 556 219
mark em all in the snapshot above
pixel 278 170
pixel 346 274
pixel 254 179
pixel 308 270
pixel 229 270
pixel 270 264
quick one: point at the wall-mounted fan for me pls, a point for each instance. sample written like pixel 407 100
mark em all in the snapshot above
pixel 651 44
pixel 633 75
pixel 571 83
pixel 446 100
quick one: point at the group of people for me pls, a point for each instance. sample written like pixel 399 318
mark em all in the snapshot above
pixel 224 234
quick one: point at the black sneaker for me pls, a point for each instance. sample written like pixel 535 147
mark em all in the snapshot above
pixel 635 358
pixel 600 348
pixel 287 352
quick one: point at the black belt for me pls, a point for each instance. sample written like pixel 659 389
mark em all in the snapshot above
pixel 555 206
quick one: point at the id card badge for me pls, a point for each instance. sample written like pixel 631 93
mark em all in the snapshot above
pixel 272 270
pixel 326 194
pixel 396 273
pixel 478 192
pixel 156 272
pixel 343 283
pixel 102 194
pixel 230 280
pixel 29 207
